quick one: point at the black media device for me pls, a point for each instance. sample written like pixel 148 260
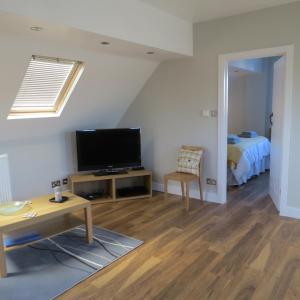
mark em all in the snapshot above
pixel 93 195
pixel 108 149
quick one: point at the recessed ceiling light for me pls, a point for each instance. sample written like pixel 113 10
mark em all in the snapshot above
pixel 36 28
pixel 105 43
pixel 150 52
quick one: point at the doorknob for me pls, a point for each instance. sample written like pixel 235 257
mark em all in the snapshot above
pixel 271 119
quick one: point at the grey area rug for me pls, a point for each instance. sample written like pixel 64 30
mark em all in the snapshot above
pixel 50 267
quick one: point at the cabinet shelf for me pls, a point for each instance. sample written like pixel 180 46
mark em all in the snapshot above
pixel 86 183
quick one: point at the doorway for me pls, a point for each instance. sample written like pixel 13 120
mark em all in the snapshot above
pixel 280 149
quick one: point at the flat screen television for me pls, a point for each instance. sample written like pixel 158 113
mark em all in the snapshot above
pixel 108 148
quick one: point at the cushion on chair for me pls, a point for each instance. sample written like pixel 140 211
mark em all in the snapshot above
pixel 188 161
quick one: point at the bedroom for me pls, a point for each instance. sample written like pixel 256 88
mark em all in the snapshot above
pixel 252 86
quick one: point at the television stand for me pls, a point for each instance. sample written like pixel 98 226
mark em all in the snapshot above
pixel 115 187
pixel 110 172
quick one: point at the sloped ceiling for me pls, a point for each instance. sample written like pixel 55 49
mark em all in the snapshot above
pixel 112 78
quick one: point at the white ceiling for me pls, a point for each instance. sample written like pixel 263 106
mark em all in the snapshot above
pixel 57 33
pixel 133 22
pixel 203 10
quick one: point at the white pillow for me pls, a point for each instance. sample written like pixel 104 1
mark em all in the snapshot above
pixel 188 161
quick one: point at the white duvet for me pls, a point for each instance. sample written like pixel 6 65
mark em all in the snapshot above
pixel 254 161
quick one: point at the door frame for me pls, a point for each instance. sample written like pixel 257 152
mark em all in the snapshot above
pixel 224 60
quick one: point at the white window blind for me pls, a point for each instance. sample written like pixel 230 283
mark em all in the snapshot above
pixel 47 84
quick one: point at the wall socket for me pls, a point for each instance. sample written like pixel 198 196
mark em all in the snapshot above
pixel 211 181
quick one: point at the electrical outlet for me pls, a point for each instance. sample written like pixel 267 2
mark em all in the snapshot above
pixel 65 181
pixel 55 183
pixel 211 181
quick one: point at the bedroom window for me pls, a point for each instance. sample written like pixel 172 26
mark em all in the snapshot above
pixel 46 87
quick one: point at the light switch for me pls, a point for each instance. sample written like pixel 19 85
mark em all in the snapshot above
pixel 205 113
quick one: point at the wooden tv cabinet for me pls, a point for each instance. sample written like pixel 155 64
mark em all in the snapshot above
pixel 83 183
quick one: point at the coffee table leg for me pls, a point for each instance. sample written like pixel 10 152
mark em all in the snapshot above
pixel 3 271
pixel 88 224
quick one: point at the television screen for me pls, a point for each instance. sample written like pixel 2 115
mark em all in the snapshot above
pixel 108 148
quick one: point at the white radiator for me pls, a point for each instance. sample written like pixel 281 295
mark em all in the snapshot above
pixel 5 188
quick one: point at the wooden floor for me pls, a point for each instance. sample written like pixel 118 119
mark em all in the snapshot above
pixel 242 250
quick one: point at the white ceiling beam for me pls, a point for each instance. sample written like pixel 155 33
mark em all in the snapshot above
pixel 128 20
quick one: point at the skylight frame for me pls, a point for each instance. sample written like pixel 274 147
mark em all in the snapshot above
pixel 23 112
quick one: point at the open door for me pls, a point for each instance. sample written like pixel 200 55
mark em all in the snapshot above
pixel 279 86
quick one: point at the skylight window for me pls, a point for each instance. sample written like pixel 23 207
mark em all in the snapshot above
pixel 46 87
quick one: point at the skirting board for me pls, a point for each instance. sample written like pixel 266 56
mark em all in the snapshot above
pixel 290 212
pixel 194 193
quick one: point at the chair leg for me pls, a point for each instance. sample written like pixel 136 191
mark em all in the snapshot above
pixel 201 190
pixel 182 189
pixel 166 188
pixel 187 196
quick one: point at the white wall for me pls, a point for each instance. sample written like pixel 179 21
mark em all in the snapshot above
pixel 236 104
pixel 256 103
pixel 247 101
pixel 169 106
pixel 41 150
pixel 250 95
pixel 129 20
pixel 35 162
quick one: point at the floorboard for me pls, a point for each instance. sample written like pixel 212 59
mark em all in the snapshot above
pixel 241 250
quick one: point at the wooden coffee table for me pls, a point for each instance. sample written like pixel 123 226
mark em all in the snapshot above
pixel 51 219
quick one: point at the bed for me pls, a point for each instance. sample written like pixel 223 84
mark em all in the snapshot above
pixel 248 158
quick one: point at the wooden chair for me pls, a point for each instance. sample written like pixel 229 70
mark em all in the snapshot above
pixel 185 179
